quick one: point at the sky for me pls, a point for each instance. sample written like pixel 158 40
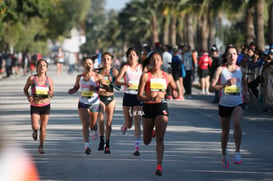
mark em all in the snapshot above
pixel 115 4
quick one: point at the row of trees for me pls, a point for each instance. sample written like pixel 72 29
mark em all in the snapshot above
pixel 193 22
pixel 27 25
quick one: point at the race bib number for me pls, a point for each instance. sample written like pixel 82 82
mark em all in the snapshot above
pixel 106 78
pixel 158 84
pixel 87 93
pixel 134 85
pixel 41 90
pixel 232 90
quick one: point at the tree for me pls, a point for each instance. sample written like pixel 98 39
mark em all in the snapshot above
pixel 270 23
pixel 260 24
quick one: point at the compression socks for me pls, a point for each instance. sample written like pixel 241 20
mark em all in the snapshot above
pixel 107 143
pixel 102 139
pixel 137 143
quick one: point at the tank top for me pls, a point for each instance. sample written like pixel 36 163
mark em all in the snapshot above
pixel 106 78
pixel 231 95
pixel 156 84
pixel 87 96
pixel 38 90
pixel 132 77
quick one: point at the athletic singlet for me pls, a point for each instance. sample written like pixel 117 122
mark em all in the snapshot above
pixel 132 78
pixel 156 84
pixel 106 78
pixel 231 95
pixel 38 90
pixel 87 96
pixel 60 58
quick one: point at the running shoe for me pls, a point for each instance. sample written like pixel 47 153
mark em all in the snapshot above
pixel 107 150
pixel 101 146
pixel 158 171
pixel 87 150
pixel 41 150
pixel 35 134
pixel 238 159
pixel 169 97
pixel 136 153
pixel 179 98
pixel 225 162
pixel 123 130
pixel 95 134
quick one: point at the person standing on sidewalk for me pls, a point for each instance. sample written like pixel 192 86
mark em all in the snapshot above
pixel 107 101
pixel 132 107
pixel 233 94
pixel 88 107
pixel 189 67
pixel 204 64
pixel 41 92
pixel 152 90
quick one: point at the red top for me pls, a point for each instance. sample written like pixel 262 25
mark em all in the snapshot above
pixel 156 84
pixel 204 62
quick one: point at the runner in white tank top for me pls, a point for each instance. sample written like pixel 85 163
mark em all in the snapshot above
pixel 89 101
pixel 132 78
pixel 233 94
pixel 131 72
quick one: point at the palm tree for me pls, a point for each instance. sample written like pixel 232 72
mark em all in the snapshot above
pixel 260 24
pixel 270 23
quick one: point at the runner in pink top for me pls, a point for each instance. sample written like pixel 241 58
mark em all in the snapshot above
pixel 41 90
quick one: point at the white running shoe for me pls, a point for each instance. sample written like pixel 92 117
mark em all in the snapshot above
pixel 238 159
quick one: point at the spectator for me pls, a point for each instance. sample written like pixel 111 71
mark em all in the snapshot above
pixel 216 62
pixel 204 65
pixel 189 67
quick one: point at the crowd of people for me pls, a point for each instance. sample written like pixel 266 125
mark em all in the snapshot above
pixel 149 79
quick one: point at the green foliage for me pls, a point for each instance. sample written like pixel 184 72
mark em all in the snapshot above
pixel 233 35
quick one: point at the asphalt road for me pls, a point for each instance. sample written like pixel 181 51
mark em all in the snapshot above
pixel 192 141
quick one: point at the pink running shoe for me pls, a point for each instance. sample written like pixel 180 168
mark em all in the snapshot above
pixel 158 171
pixel 169 97
pixel 225 163
pixel 179 99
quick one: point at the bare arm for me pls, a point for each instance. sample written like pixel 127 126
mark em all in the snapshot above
pixel 120 75
pixel 27 85
pixel 245 87
pixel 51 90
pixel 102 82
pixel 215 79
pixel 142 82
pixel 76 85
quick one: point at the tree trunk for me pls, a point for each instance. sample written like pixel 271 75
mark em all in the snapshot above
pixel 250 36
pixel 205 31
pixel 189 27
pixel 198 34
pixel 270 24
pixel 260 24
pixel 173 30
pixel 166 30
pixel 212 31
pixel 155 32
